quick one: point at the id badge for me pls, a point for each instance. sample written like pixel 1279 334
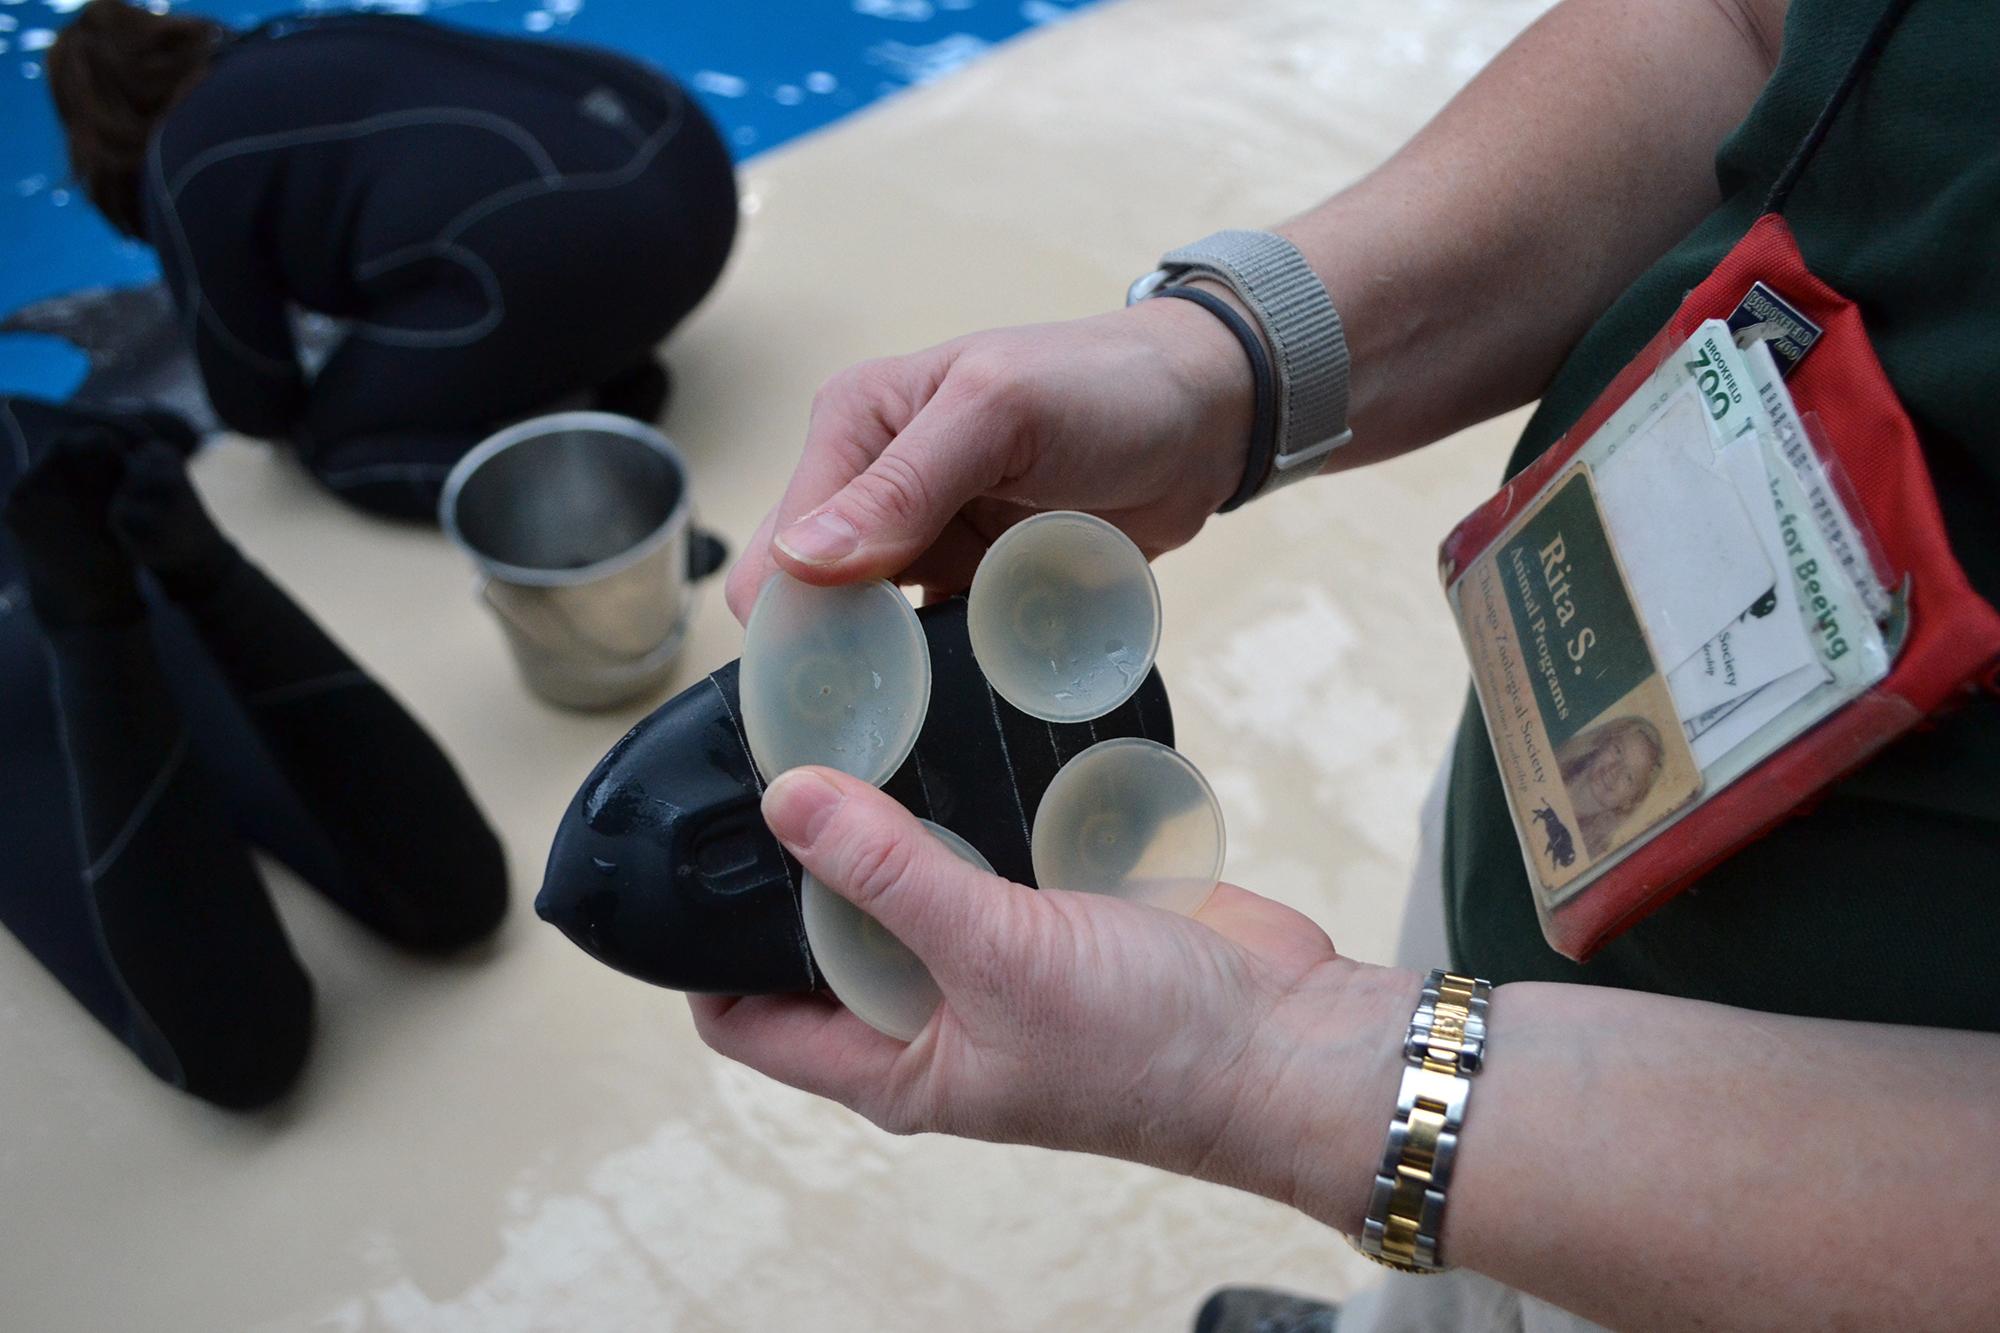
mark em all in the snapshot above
pixel 1867 626
pixel 1689 590
pixel 1590 747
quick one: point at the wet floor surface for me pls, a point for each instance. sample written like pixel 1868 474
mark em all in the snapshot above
pixel 525 1140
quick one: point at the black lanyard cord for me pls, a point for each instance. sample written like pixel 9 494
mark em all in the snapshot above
pixel 1864 60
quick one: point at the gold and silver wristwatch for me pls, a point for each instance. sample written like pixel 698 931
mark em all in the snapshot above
pixel 1444 1048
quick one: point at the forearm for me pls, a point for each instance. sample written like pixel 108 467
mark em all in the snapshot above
pixel 1468 264
pixel 1655 1162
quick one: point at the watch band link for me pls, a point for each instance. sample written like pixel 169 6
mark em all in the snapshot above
pixel 1448 1030
pixel 1445 1045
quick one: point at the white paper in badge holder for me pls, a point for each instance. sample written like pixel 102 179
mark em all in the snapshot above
pixel 1715 733
pixel 1691 553
pixel 1764 644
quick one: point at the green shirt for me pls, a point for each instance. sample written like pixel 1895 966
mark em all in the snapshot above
pixel 1883 902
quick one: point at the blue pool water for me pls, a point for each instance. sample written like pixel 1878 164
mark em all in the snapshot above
pixel 767 70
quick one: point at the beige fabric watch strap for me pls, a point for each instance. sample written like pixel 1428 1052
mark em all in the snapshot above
pixel 1308 345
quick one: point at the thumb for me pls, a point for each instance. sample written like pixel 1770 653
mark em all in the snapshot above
pixel 877 524
pixel 868 849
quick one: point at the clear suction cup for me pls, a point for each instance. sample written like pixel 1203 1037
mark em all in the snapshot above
pixel 870 970
pixel 1134 819
pixel 1064 617
pixel 833 676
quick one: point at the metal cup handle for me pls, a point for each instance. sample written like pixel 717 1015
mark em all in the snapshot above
pixel 706 552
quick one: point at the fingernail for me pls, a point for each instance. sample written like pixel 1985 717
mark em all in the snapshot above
pixel 819 539
pixel 798 805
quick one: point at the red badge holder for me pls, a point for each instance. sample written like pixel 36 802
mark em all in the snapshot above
pixel 1950 642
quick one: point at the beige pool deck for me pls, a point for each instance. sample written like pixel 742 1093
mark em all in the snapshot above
pixel 525 1140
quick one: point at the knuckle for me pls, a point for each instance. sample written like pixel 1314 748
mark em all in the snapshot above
pixel 863 385
pixel 837 391
pixel 895 490
pixel 878 379
pixel 996 387
pixel 876 863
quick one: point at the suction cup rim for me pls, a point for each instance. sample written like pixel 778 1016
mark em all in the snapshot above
pixel 1180 892
pixel 1040 704
pixel 958 846
pixel 895 647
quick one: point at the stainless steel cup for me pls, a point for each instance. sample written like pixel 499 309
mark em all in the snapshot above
pixel 582 529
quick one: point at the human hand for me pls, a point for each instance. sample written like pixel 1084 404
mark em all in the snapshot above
pixel 1235 1045
pixel 914 464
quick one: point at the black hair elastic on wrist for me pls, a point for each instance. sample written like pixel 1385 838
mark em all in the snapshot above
pixel 1264 394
